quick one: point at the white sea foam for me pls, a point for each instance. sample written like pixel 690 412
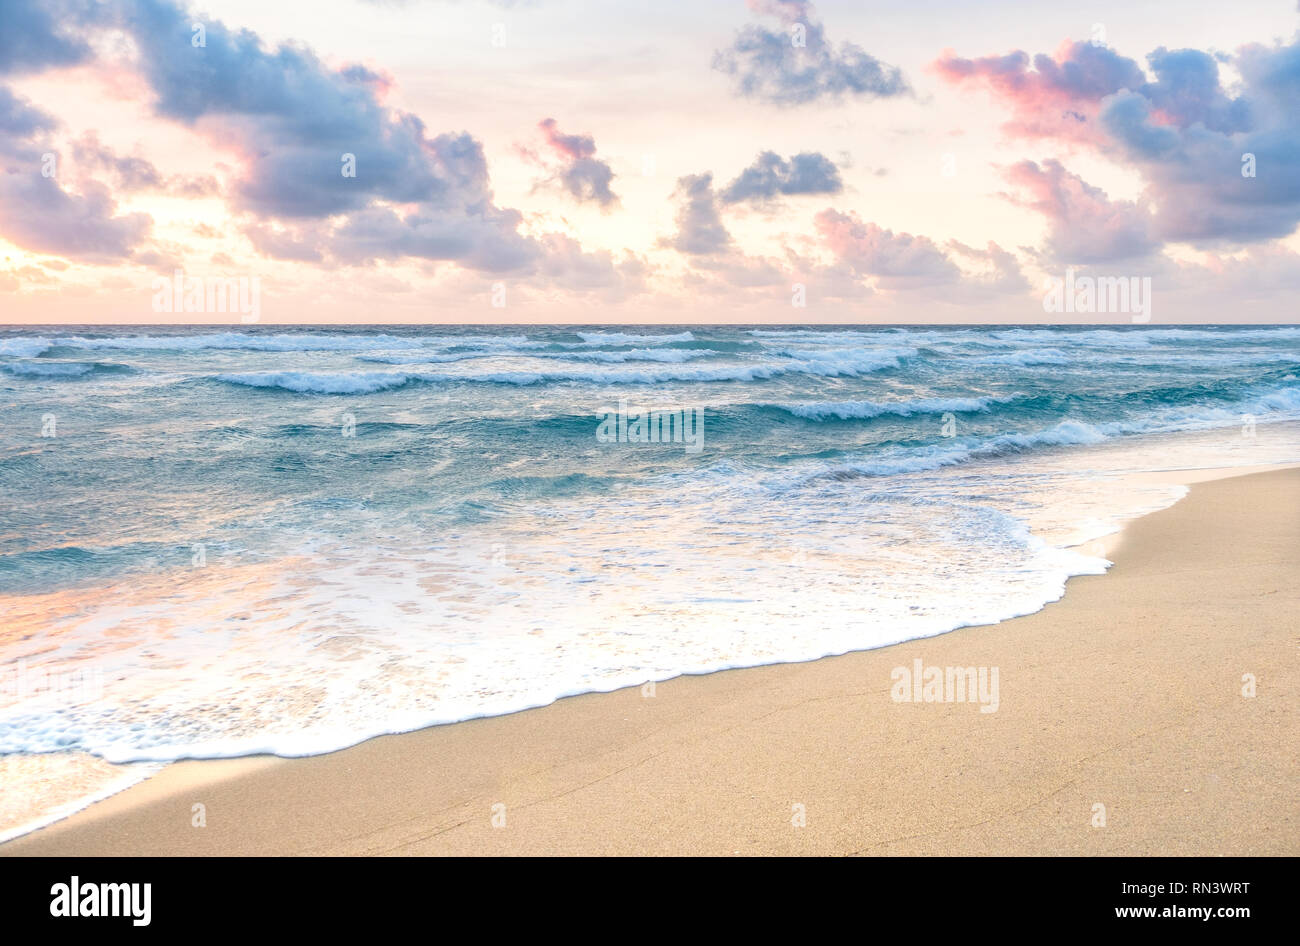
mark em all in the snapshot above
pixel 457 556
pixel 237 341
pixel 24 347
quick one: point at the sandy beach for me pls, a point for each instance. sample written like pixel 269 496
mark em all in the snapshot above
pixel 1127 694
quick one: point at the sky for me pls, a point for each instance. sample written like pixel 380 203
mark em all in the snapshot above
pixel 558 161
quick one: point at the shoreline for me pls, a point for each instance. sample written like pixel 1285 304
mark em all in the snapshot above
pixel 566 772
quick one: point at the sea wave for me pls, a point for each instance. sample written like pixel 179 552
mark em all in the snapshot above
pixel 48 369
pixel 25 347
pixel 846 362
pixel 622 338
pixel 424 357
pixel 342 382
pixel 865 410
pixel 321 382
pixel 666 355
pixel 60 370
pixel 1263 406
pixel 237 341
pixel 1025 359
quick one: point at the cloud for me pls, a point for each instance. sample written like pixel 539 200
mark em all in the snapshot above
pixel 284 245
pixel 299 123
pixel 299 128
pixel 291 117
pixel 1062 95
pixel 869 260
pixel 1004 273
pixel 798 64
pixel 33 35
pixel 1190 142
pixel 131 173
pixel 865 257
pixel 579 172
pixel 1058 97
pixel 717 265
pixel 700 230
pixel 36 213
pixel 21 124
pixel 771 176
pixel 484 238
pixel 895 260
pixel 565 263
pixel 1187 92
pixel 1086 226
pixel 1185 133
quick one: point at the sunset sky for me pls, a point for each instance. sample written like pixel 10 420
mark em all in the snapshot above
pixel 648 162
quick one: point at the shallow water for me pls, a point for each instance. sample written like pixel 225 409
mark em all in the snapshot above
pixel 284 540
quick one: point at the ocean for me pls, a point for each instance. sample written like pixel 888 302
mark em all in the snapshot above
pixel 223 542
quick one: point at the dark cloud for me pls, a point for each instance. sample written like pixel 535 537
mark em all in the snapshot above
pixel 21 123
pixel 771 176
pixel 1187 91
pixel 798 64
pixel 294 118
pixel 572 147
pixel 717 265
pixel 1056 98
pixel 584 176
pixel 700 230
pixel 1187 135
pixel 33 34
pixel 1189 139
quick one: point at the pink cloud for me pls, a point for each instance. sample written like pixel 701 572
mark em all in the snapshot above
pixel 579 172
pixel 1086 225
pixel 897 260
pixel 1059 97
pixel 573 147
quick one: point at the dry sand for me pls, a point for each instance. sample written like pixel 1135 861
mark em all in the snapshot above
pixel 1127 693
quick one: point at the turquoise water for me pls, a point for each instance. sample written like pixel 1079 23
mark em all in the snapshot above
pixel 233 439
pixel 290 539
